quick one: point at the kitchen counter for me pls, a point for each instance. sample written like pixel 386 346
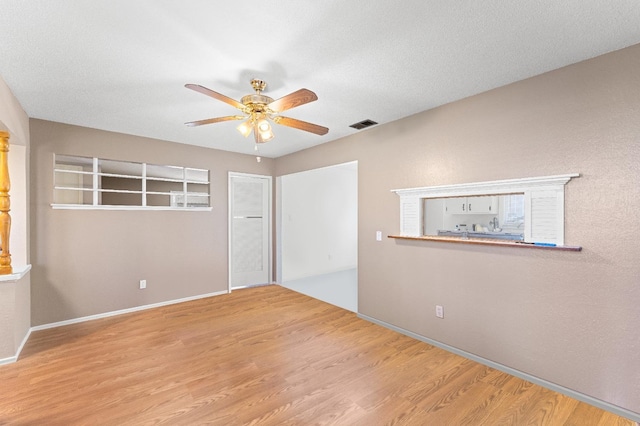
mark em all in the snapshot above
pixel 475 234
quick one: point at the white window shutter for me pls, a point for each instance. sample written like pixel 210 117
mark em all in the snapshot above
pixel 547 217
pixel 410 217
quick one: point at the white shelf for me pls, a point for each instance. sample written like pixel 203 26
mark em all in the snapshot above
pixel 18 273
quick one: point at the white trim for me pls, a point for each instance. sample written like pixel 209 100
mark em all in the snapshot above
pixel 17 275
pixel 254 285
pixel 487 188
pixel 9 360
pixel 144 185
pixel 24 342
pixel 96 183
pixel 125 311
pixel 251 175
pixel 107 207
pixel 229 226
pixel 278 212
pixel 14 358
pixel 512 371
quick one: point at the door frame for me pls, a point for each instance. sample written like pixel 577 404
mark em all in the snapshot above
pixel 230 225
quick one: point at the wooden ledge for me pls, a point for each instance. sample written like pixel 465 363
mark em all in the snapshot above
pixel 487 242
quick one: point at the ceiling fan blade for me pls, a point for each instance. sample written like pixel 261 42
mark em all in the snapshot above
pixel 292 100
pixel 215 120
pixel 302 125
pixel 215 95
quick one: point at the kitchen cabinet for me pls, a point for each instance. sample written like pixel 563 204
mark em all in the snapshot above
pixel 484 204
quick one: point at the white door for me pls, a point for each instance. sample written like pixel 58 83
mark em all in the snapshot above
pixel 249 230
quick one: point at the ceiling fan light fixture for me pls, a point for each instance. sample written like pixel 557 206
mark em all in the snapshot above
pixel 258 135
pixel 264 126
pixel 262 130
pixel 266 136
pixel 245 128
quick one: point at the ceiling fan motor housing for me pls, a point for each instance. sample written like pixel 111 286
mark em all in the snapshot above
pixel 257 103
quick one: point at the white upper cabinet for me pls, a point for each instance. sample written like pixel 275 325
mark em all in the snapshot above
pixel 471 205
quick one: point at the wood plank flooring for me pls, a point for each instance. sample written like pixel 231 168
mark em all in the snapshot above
pixel 263 356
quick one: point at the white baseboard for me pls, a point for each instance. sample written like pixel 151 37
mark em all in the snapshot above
pixel 253 285
pixel 24 342
pixel 14 358
pixel 9 360
pixel 124 311
pixel 538 381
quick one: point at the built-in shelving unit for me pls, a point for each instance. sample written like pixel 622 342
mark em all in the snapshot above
pixel 94 183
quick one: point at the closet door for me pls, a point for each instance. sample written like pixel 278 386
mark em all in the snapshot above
pixel 249 230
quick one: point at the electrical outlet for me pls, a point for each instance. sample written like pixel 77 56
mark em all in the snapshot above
pixel 143 284
pixel 439 311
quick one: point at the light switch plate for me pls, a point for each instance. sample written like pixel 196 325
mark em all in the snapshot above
pixel 378 235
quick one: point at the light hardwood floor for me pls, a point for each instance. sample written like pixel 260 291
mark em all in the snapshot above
pixel 266 356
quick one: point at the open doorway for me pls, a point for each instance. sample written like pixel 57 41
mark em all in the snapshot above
pixel 317 234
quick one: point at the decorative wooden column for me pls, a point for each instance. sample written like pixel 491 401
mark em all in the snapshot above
pixel 5 204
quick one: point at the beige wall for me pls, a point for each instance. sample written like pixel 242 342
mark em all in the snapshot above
pixel 90 262
pixel 15 301
pixel 22 314
pixel 569 318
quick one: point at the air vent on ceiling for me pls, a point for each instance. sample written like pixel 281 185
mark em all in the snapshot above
pixel 363 124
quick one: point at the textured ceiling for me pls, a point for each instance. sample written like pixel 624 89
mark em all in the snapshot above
pixel 121 65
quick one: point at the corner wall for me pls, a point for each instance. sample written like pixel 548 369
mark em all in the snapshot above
pixel 89 262
pixel 15 301
pixel 567 318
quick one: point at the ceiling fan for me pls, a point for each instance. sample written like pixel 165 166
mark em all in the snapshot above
pixel 259 109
